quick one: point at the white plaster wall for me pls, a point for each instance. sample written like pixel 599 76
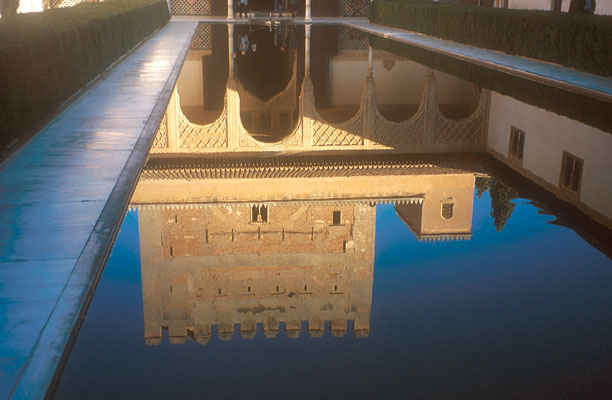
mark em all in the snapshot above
pixel 189 83
pixel 547 135
pixel 531 4
pixel 604 7
pixel 346 80
pixel 26 6
pixel 402 84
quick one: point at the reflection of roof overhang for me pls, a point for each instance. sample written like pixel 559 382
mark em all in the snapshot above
pixel 335 202
pixel 191 168
pixel 334 179
pixel 444 237
pixel 441 237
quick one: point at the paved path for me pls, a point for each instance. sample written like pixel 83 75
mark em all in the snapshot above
pixel 62 197
pixel 539 71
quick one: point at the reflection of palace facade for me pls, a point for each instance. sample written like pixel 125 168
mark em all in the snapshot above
pixel 355 98
pixel 354 105
pixel 233 245
pixel 219 266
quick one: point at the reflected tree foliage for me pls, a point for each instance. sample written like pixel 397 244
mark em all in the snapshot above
pixel 501 199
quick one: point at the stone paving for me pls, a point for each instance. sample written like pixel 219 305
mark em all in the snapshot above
pixel 62 197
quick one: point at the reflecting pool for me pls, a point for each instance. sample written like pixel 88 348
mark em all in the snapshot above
pixel 320 219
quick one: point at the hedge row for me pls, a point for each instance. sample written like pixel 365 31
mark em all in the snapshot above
pixel 47 57
pixel 575 40
pixel 587 110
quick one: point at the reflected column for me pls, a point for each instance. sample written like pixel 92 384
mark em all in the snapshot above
pixel 230 9
pixel 369 125
pixel 231 95
pixel 370 61
pixel 230 47
pixel 308 13
pixel 307 97
pixel 307 29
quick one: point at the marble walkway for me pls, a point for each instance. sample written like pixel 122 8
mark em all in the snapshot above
pixel 62 197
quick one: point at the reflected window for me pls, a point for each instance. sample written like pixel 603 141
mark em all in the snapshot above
pixel 259 214
pixel 517 144
pixel 448 208
pixel 265 121
pixel 337 217
pixel 571 172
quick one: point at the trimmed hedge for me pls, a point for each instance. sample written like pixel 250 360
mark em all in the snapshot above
pixel 575 40
pixel 47 57
pixel 590 111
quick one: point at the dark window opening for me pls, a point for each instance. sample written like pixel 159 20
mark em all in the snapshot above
pixel 447 210
pixel 265 121
pixel 571 172
pixel 337 217
pixel 259 214
pixel 517 144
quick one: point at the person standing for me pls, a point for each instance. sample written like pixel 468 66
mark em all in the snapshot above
pixel 293 7
pixel 243 6
pixel 582 6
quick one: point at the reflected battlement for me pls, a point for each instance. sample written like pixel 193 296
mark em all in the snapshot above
pixel 224 244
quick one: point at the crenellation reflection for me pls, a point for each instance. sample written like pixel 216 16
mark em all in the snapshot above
pixel 243 248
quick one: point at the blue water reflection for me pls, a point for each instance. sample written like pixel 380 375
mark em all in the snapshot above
pixel 519 313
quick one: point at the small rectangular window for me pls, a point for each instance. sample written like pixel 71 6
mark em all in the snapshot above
pixel 265 121
pixel 337 218
pixel 571 173
pixel 517 144
pixel 259 214
pixel 447 210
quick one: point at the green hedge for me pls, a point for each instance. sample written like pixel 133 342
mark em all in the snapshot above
pixel 575 40
pixel 47 57
pixel 585 109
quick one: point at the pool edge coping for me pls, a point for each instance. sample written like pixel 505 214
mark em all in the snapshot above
pixel 42 371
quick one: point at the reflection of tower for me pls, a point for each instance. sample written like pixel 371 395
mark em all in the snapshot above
pixel 280 263
pixel 445 213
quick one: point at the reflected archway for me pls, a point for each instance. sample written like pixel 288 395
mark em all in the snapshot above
pixel 268 78
pixel 201 83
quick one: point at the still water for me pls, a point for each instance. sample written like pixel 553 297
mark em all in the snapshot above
pixel 333 274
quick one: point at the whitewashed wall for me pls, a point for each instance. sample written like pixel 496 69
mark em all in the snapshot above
pixel 190 86
pixel 547 135
pixel 401 84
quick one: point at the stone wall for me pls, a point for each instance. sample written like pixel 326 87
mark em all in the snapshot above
pixel 256 279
